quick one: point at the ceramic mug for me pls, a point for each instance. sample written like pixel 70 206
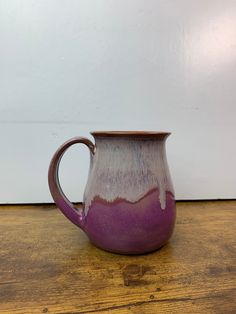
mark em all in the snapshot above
pixel 129 204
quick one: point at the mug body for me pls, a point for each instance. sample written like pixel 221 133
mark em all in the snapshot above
pixel 129 204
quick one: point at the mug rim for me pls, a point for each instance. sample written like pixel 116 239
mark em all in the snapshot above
pixel 130 133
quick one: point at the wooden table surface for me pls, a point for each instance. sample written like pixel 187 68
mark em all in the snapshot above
pixel 47 265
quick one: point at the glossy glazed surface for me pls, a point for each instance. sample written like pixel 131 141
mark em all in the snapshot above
pixel 131 228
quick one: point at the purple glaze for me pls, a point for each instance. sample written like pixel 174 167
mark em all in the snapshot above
pixel 129 204
pixel 131 228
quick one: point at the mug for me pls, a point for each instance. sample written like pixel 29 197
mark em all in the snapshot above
pixel 129 204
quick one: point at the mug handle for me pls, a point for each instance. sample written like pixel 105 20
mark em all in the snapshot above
pixel 69 210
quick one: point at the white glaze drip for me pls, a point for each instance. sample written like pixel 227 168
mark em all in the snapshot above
pixel 128 169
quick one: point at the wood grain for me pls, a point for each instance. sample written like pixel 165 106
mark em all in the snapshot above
pixel 47 265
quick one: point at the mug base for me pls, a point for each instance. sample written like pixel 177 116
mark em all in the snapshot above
pixel 129 252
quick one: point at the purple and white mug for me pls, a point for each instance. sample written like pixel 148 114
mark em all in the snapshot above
pixel 129 204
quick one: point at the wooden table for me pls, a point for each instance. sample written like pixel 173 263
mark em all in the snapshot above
pixel 47 265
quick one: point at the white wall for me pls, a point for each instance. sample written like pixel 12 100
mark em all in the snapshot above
pixel 68 67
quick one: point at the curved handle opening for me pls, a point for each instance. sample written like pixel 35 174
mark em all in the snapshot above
pixel 69 210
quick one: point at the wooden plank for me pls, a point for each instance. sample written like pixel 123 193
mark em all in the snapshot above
pixel 47 265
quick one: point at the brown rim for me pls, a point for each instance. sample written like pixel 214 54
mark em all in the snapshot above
pixel 130 133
